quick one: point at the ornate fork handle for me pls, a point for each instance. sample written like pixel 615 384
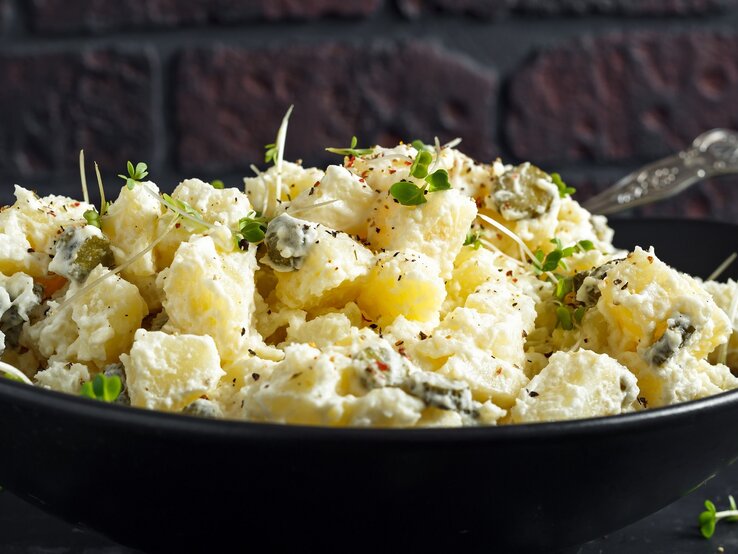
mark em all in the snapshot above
pixel 712 153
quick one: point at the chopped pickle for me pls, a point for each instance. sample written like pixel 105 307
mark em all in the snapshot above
pixel 521 193
pixel 79 251
pixel 92 252
pixel 672 337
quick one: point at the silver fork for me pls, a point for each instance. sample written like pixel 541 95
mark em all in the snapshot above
pixel 712 153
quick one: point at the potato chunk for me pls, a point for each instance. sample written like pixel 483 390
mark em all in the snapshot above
pixel 576 385
pixel 168 372
pixel 329 271
pixel 437 228
pixel 96 327
pixel 211 292
pixel 352 202
pixel 402 283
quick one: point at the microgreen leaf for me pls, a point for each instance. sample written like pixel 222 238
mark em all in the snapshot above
pixel 421 163
pixel 180 205
pixel 92 218
pixel 563 315
pixel 438 180
pixel 102 388
pixel 472 239
pixel 420 145
pixel 564 190
pixel 135 174
pixel 270 153
pixel 579 314
pixel 218 184
pixel 351 150
pixel 586 245
pixel 408 194
pixel 251 229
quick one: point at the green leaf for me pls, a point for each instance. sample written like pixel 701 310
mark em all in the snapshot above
pixel 563 315
pixel 579 314
pixel 421 163
pixel 564 190
pixel 92 218
pixel 103 388
pixel 420 145
pixel 135 174
pixel 710 506
pixel 251 229
pixel 271 152
pixel 218 184
pixel 552 261
pixel 438 180
pixel 408 194
pixel 351 151
pixel 183 206
pixel 707 524
pixel 586 245
pixel 472 239
pixel 563 287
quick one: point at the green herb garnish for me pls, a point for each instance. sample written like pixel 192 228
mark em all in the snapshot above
pixel 410 194
pixel 93 218
pixel 102 388
pixel 472 239
pixel 708 519
pixel 351 150
pixel 251 229
pixel 420 145
pixel 564 190
pixel 554 259
pixel 135 174
pixel 193 219
pixel 218 184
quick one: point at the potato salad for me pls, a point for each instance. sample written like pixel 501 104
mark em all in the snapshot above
pixel 401 287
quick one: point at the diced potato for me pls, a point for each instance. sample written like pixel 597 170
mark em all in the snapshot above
pixel 402 283
pixel 211 292
pixel 488 377
pixel 131 225
pixel 295 179
pixel 725 296
pixel 386 407
pixel 576 385
pixel 495 319
pixel 680 379
pixel 29 228
pixel 301 389
pixel 437 228
pixel 168 372
pixel 655 310
pixel 63 377
pixel 96 327
pixel 329 275
pixel 352 202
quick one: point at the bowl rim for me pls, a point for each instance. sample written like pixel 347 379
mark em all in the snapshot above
pixel 126 416
pixel 167 422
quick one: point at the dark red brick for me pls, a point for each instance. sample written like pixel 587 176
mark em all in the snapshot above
pixel 622 97
pixel 492 8
pixel 51 105
pixel 230 101
pixel 93 15
pixel 478 8
pixel 629 7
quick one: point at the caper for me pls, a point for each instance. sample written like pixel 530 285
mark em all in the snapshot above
pixel 521 193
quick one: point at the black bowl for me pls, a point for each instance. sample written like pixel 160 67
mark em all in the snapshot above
pixel 178 484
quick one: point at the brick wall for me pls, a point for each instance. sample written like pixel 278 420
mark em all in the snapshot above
pixel 589 88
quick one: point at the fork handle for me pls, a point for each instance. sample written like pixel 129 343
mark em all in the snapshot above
pixel 712 153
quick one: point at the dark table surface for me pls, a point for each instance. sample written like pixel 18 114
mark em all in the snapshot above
pixel 24 529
